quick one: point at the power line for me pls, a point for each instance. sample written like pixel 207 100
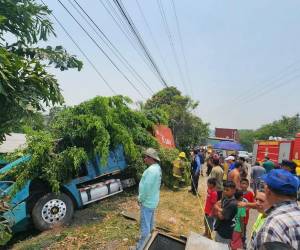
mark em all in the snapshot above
pixel 153 38
pixel 111 46
pixel 140 41
pixel 171 41
pixel 272 88
pixel 269 82
pixel 129 35
pixel 181 46
pixel 262 87
pixel 267 91
pixel 82 52
pixel 103 52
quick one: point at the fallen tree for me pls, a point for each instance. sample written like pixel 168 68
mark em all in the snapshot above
pixel 79 133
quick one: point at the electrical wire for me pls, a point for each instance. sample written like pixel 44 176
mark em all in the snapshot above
pixel 133 39
pixel 114 15
pixel 263 87
pixel 269 82
pixel 154 40
pixel 200 201
pixel 111 46
pixel 101 49
pixel 171 41
pixel 82 52
pixel 182 47
pixel 134 30
pixel 272 88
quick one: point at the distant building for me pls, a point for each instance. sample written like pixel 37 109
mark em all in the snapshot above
pixel 227 133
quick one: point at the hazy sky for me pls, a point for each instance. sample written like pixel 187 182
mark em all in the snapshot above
pixel 243 57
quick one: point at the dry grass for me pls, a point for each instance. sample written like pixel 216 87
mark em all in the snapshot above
pixel 101 226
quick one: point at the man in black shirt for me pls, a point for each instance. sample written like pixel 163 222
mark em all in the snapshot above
pixel 226 210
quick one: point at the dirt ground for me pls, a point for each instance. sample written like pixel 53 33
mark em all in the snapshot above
pixel 101 225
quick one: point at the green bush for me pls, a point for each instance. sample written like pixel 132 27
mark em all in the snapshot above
pixel 167 156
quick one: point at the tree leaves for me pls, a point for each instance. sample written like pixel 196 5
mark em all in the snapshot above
pixel 286 127
pixel 175 109
pixel 25 85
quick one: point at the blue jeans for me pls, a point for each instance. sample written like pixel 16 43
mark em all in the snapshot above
pixel 146 225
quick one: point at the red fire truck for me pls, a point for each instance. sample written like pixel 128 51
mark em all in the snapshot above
pixel 277 150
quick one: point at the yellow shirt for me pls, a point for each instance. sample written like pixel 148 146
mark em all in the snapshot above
pixel 225 166
pixel 298 170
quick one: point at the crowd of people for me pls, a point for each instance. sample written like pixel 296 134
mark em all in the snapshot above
pixel 233 188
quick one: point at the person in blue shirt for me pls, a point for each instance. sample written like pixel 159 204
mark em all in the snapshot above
pixel 195 171
pixel 149 190
pixel 231 161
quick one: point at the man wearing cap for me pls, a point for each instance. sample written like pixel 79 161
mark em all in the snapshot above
pixel 228 161
pixel 282 224
pixel 178 170
pixel 231 162
pixel 148 198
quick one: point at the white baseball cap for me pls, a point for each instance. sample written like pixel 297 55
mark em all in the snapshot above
pixel 230 158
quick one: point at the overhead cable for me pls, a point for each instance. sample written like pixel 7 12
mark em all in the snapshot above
pixel 153 39
pixel 114 12
pixel 265 87
pixel 82 52
pixel 110 45
pixel 121 25
pixel 182 47
pixel 270 89
pixel 103 52
pixel 140 41
pixel 171 41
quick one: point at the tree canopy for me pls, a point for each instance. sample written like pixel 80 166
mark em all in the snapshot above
pixel 286 127
pixel 189 130
pixel 25 84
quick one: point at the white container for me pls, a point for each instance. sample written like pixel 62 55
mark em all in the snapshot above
pixel 99 191
pixel 113 185
pixel 84 196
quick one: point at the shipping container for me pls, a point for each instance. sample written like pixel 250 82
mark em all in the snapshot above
pixel 228 133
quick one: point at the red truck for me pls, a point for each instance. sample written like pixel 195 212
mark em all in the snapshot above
pixel 277 150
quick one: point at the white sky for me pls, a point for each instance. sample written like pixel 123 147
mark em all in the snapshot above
pixel 243 56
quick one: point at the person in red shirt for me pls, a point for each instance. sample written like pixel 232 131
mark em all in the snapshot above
pixel 211 200
pixel 249 199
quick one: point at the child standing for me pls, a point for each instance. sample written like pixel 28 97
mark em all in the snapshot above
pixel 239 228
pixel 226 210
pixel 249 199
pixel 211 199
